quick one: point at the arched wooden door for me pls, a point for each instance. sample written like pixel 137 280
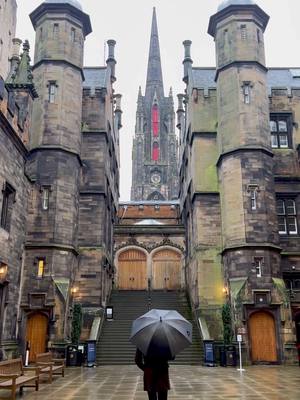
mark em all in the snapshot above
pixel 132 270
pixel 36 334
pixel 262 337
pixel 166 270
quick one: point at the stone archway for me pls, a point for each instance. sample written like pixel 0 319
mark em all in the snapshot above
pixel 263 337
pixel 166 269
pixel 132 269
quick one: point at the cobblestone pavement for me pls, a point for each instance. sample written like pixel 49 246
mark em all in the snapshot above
pixel 126 383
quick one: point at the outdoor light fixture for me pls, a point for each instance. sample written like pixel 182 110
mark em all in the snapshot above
pixel 3 271
pixel 109 313
pixel 225 290
pixel 74 290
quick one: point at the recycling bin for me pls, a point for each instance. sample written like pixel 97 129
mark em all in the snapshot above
pixel 72 351
pixel 91 353
pixel 223 362
pixel 231 356
pixel 209 354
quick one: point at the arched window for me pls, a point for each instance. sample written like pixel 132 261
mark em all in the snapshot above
pixel 155 120
pixel 155 151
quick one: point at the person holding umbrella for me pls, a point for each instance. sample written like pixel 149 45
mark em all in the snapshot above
pixel 159 335
pixel 156 375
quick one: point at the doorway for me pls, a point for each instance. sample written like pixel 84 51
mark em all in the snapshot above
pixel 132 270
pixel 262 337
pixel 36 334
pixel 166 270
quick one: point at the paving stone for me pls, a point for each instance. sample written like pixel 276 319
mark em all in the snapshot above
pixel 187 382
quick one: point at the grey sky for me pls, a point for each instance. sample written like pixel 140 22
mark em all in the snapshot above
pixel 129 22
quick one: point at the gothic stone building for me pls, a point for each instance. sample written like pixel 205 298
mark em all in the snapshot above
pixel 239 186
pixel 155 147
pixel 59 179
pixel 233 235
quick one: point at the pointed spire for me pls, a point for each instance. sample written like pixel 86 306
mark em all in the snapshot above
pixel 140 101
pixel 154 73
pixel 21 75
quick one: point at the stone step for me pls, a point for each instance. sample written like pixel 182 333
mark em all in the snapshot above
pixel 114 347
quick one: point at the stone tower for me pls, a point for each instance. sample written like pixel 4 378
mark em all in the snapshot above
pixel 8 20
pixel 154 155
pixel 251 252
pixel 54 164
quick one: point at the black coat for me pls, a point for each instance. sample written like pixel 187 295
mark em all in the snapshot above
pixel 156 372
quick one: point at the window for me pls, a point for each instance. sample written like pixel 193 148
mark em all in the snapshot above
pixel 258 36
pixel 258 263
pixel 243 32
pixel 45 198
pixel 41 267
pixel 253 199
pixel 246 92
pixel 155 152
pixel 73 34
pixel 280 128
pixel 155 121
pixel 7 205
pixel 51 92
pixel 55 31
pixel 287 217
pixel 253 189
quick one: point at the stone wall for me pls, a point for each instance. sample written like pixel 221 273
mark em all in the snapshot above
pixel 8 20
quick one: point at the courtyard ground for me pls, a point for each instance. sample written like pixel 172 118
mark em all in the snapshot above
pixel 188 382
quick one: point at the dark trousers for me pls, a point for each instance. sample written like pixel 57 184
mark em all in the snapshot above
pixel 158 395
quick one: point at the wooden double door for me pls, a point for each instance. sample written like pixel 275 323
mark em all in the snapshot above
pixel 132 270
pixel 263 338
pixel 165 270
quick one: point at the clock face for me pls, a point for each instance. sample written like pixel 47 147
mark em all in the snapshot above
pixel 155 178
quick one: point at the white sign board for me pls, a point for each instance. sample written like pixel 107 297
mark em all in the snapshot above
pixel 239 338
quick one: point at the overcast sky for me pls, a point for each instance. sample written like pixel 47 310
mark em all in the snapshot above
pixel 129 23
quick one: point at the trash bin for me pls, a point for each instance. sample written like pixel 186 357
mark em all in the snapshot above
pixel 231 358
pixel 72 355
pixel 209 355
pixel 223 356
pixel 91 353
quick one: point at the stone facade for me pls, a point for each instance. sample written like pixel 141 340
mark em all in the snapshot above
pixel 8 20
pixel 151 228
pixel 16 98
pixel 237 182
pixel 155 146
pixel 62 164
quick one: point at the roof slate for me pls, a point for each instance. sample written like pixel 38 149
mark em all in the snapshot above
pixel 283 78
pixel 95 77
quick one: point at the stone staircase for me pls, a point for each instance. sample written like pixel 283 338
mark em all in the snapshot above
pixel 114 347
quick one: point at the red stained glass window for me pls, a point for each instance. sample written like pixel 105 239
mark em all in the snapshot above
pixel 155 120
pixel 155 151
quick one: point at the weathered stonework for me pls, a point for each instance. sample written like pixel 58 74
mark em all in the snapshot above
pixel 154 171
pixel 8 20
pixel 230 172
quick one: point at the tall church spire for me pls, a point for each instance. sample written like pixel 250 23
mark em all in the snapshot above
pixel 154 73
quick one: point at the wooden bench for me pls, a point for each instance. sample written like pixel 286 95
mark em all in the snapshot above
pixel 13 376
pixel 49 365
